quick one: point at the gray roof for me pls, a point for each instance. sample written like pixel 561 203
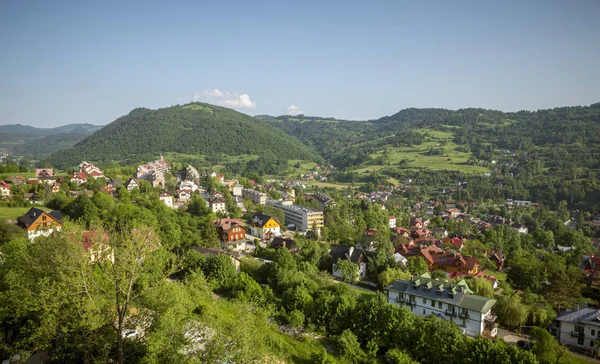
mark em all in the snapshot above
pixel 457 294
pixel 583 315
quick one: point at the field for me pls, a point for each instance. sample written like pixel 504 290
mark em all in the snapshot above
pixel 12 212
pixel 417 156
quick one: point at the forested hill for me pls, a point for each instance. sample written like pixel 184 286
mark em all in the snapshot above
pixel 195 128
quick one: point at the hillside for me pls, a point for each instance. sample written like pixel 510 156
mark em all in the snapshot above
pixel 35 142
pixel 546 155
pixel 192 129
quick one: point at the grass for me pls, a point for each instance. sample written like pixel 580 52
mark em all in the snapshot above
pixel 417 156
pixel 198 107
pixel 12 212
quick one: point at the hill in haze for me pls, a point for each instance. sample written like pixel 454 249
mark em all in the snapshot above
pixel 193 129
pixel 35 142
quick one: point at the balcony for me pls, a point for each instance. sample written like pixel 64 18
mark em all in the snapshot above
pixel 450 312
pixel 463 314
pixel 576 333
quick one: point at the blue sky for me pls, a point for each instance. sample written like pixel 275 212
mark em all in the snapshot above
pixel 80 61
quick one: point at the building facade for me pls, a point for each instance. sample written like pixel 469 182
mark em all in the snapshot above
pixel 302 217
pixel 257 197
pixel 454 302
pixel 579 328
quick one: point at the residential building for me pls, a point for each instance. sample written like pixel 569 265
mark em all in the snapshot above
pixel 79 178
pixel 154 172
pixel 16 180
pixel 454 302
pixel 45 175
pixel 40 223
pixel 352 254
pixel 439 260
pixel 264 226
pixel 167 198
pixel 131 184
pixel 55 188
pixel 90 170
pixel 236 190
pixel 280 242
pixel 257 197
pixel 392 222
pixel 419 222
pixel 302 217
pixel 184 195
pixel 496 256
pixel 322 199
pixel 4 190
pixel 192 174
pixel 578 328
pixel 230 230
pixel 188 185
pixel 217 204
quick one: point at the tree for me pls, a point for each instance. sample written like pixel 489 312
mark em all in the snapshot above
pixel 481 287
pixel 390 275
pixel 510 311
pixel 348 270
pixel 396 356
pixel 546 348
pixel 349 347
pixel 219 271
pixel 417 265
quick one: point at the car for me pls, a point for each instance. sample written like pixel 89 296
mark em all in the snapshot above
pixel 525 345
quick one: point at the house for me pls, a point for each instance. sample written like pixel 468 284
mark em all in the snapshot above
pixel 184 195
pixel 352 254
pixel 453 212
pixel 230 230
pixel 392 222
pixel 589 264
pixel 236 190
pixel 79 178
pixel 31 197
pixel 96 247
pixel 522 229
pixel 217 204
pixel 419 222
pixel 90 169
pixel 400 231
pixel 454 302
pixel 421 233
pixel 264 226
pixel 167 198
pixel 496 256
pixel 45 175
pixel 16 180
pixel 39 222
pixel 439 260
pixel 439 232
pixel 108 189
pixel 457 243
pixel 578 328
pixel 287 243
pixel 5 190
pixel 55 188
pixel 132 183
pixel 188 185
pixel 192 174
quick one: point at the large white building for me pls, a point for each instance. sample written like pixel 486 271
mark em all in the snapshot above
pixel 303 217
pixel 257 197
pixel 454 302
pixel 579 328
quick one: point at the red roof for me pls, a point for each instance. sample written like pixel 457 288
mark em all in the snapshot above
pixel 392 217
pixel 96 174
pixel 79 175
pixel 5 185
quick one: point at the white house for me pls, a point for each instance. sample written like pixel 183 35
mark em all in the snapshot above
pixel 454 302
pixel 131 184
pixel 188 185
pixel 236 190
pixel 579 328
pixel 185 195
pixel 167 198
pixel 4 190
pixel 217 204
pixel 352 254
pixel 392 222
pixel 264 226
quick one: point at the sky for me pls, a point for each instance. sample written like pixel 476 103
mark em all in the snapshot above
pixel 64 62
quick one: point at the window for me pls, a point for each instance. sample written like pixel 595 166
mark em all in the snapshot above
pixel 593 332
pixel 440 304
pixel 580 340
pixel 432 303
pixel 424 312
pixel 591 343
pixel 425 300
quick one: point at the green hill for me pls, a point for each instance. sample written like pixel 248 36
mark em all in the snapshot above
pixel 196 129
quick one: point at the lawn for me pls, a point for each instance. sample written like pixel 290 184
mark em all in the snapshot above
pixel 12 212
pixel 417 156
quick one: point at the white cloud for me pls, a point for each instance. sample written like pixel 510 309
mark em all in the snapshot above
pixel 226 98
pixel 294 110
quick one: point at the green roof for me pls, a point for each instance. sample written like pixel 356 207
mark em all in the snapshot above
pixel 477 303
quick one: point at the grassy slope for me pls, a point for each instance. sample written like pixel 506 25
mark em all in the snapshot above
pixel 418 157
